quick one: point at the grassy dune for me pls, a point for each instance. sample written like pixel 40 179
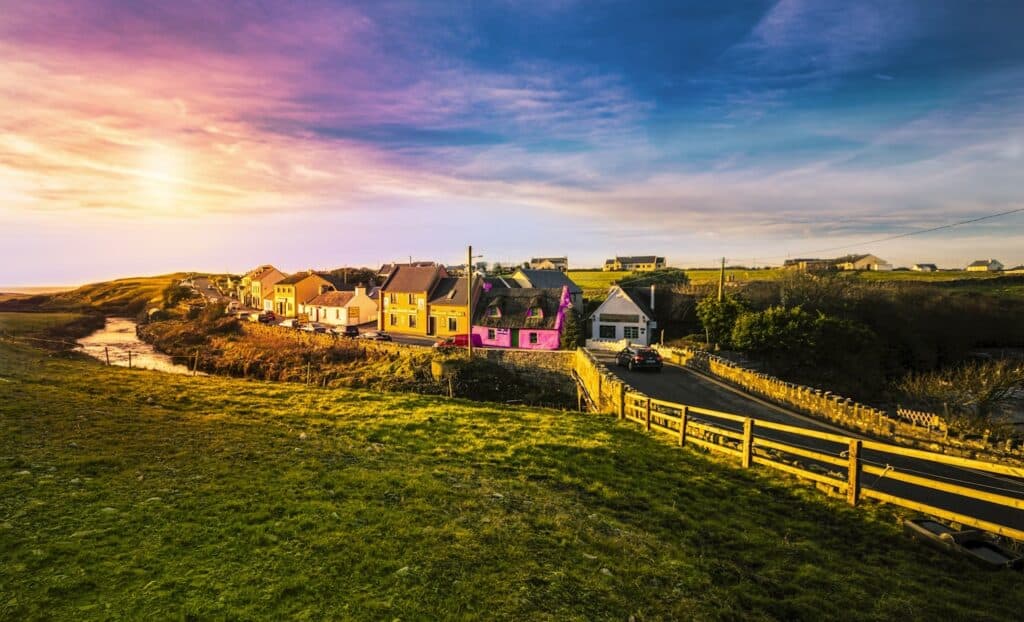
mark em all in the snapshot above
pixel 17 323
pixel 125 296
pixel 131 494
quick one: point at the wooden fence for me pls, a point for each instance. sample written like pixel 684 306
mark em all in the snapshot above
pixel 833 461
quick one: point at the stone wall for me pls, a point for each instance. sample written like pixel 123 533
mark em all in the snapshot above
pixel 905 427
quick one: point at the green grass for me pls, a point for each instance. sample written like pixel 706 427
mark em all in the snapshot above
pixel 131 494
pixel 129 295
pixel 17 323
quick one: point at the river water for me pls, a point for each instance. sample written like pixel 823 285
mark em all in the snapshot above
pixel 117 338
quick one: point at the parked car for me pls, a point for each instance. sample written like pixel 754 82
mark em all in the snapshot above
pixel 231 307
pixel 639 358
pixel 455 341
pixel 290 323
pixel 374 335
pixel 346 331
pixel 313 327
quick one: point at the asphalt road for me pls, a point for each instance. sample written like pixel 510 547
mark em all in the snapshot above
pixel 205 287
pixel 683 386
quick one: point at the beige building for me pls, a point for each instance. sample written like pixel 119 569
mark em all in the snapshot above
pixel 550 263
pixel 862 262
pixel 342 308
pixel 635 263
pixel 985 265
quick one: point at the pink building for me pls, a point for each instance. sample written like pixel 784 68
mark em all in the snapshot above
pixel 526 318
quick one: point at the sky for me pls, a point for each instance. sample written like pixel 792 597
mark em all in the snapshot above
pixel 149 137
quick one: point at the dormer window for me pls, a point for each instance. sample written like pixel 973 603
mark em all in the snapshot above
pixel 493 311
pixel 535 313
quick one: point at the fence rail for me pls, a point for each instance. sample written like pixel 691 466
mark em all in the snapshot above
pixel 832 460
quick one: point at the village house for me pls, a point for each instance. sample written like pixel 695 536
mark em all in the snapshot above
pixel 548 279
pixel 984 265
pixel 302 287
pixel 862 262
pixel 257 286
pixel 625 315
pixel 525 318
pixel 808 265
pixel 404 296
pixel 924 267
pixel 446 306
pixel 639 263
pixel 343 308
pixel 550 263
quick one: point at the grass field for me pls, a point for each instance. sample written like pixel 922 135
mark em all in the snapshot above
pixel 131 494
pixel 127 296
pixel 15 323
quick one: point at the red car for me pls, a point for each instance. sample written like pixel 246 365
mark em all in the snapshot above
pixel 455 341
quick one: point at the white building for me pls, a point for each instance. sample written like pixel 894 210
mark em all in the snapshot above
pixel 985 265
pixel 924 267
pixel 624 316
pixel 342 308
pixel 862 262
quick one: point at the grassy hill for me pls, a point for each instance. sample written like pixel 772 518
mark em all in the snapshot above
pixel 131 494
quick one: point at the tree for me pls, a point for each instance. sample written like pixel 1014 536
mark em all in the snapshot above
pixel 572 331
pixel 718 318
pixel 666 276
pixel 174 293
pixel 776 334
pixel 973 397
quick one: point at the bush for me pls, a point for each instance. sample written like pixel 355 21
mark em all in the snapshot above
pixel 718 318
pixel 781 336
pixel 665 276
pixel 572 332
pixel 174 293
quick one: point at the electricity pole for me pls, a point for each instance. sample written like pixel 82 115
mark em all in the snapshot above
pixel 469 301
pixel 721 281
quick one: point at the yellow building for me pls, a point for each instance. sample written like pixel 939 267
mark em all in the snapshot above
pixel 446 307
pixel 298 289
pixel 404 297
pixel 642 263
pixel 257 286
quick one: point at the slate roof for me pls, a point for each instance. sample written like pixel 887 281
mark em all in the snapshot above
pixel 639 259
pixel 332 299
pixel 413 278
pixel 500 281
pixel 293 279
pixel 450 291
pixel 641 298
pixel 849 258
pixel 980 262
pixel 549 279
pixel 514 304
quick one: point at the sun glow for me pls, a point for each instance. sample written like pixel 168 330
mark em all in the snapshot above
pixel 161 176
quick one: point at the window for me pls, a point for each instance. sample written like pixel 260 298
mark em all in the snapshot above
pixel 412 299
pixel 535 312
pixel 394 320
pixel 606 332
pixel 412 321
pixel 630 332
pixel 533 338
pixel 490 334
pixel 337 314
pixel 493 312
pixel 453 324
pixel 353 312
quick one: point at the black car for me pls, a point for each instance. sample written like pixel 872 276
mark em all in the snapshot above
pixel 346 331
pixel 639 358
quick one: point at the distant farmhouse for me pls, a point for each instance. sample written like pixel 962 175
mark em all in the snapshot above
pixel 984 265
pixel 847 262
pixel 638 263
pixel 924 267
pixel 550 263
pixel 1015 270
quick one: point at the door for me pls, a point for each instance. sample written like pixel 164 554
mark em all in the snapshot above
pixel 515 338
pixel 431 325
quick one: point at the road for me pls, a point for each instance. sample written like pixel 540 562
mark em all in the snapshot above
pixel 205 287
pixel 683 386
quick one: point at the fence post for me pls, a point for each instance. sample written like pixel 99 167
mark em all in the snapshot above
pixel 622 400
pixel 748 442
pixel 853 479
pixel 647 419
pixel 106 353
pixel 129 359
pixel 682 425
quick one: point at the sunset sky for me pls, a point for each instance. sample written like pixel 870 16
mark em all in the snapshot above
pixel 148 137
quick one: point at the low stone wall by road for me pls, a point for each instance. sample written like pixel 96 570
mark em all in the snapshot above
pixel 915 430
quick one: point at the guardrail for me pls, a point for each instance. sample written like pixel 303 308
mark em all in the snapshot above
pixel 832 461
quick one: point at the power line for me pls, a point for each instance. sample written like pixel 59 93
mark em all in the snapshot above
pixel 905 235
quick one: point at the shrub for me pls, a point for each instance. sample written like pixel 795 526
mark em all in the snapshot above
pixel 719 317
pixel 779 335
pixel 572 332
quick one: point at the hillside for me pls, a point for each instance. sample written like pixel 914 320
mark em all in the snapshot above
pixel 130 494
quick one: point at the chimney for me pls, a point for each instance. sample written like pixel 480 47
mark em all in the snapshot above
pixel 360 291
pixel 652 296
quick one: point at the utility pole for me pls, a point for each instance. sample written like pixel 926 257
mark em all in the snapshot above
pixel 469 301
pixel 721 281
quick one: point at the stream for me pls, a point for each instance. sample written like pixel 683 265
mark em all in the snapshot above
pixel 117 339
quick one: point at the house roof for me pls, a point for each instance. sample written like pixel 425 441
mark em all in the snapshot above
pixel 337 280
pixel 332 299
pixel 850 258
pixel 406 278
pixel 450 291
pixel 548 279
pixel 551 259
pixel 513 305
pixel 639 259
pixel 981 262
pixel 500 281
pixel 925 265
pixel 295 278
pixel 641 298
